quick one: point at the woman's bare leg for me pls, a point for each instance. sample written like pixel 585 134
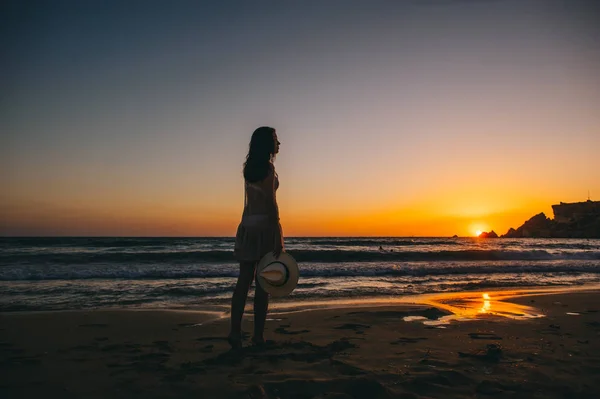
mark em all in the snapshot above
pixel 261 305
pixel 238 300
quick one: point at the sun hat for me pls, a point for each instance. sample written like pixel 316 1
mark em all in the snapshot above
pixel 277 276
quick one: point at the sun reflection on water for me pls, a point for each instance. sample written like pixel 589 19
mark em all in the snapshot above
pixel 465 306
pixel 486 304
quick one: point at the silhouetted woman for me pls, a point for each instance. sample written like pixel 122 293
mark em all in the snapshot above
pixel 258 233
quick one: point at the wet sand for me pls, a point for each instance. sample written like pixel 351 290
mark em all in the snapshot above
pixel 478 344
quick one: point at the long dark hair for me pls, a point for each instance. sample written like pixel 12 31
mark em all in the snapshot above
pixel 260 154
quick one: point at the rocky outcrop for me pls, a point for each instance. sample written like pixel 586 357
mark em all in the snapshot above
pixel 537 226
pixel 491 234
pixel 540 226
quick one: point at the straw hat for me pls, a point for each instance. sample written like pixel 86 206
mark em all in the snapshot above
pixel 277 277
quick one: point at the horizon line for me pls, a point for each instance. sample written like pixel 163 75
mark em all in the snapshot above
pixel 208 236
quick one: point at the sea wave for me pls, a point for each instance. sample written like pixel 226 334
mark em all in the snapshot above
pixel 86 295
pixel 329 256
pixel 381 242
pixel 307 270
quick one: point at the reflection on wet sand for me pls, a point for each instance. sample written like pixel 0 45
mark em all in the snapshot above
pixel 460 306
pixel 464 306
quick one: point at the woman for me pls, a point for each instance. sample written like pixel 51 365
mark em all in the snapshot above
pixel 258 233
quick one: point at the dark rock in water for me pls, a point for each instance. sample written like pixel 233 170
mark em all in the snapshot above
pixel 454 236
pixel 511 233
pixel 537 226
pixel 491 234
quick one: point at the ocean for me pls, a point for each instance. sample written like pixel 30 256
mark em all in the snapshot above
pixel 39 274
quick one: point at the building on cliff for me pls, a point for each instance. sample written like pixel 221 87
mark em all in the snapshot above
pixel 574 220
pixel 576 211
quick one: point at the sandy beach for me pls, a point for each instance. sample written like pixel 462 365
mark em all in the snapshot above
pixel 495 344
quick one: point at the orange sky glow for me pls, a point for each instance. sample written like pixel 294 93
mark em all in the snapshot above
pixel 404 119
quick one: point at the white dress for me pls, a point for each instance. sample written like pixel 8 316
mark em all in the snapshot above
pixel 256 234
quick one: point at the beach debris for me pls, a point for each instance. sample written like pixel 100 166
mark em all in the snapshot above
pixel 555 326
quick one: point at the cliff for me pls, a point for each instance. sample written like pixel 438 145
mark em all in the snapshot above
pixel 577 220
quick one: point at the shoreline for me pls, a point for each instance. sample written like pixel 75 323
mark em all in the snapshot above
pixel 290 306
pixel 375 350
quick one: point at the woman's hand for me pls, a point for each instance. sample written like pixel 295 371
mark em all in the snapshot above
pixel 278 250
pixel 278 244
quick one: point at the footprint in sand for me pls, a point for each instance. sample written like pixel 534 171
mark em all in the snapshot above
pixel 484 336
pixel 24 360
pixel 189 324
pixel 297 351
pixel 345 368
pixel 163 345
pixel 492 353
pixel 245 335
pixel 83 347
pixel 151 358
pixel 357 328
pixel 207 348
pixel 283 330
pixel 407 340
pixel 99 325
pixel 174 377
pixel 193 368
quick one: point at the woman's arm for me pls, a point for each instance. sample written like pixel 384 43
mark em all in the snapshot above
pixel 273 211
pixel 272 207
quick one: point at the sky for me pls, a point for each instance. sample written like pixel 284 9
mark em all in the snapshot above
pixel 396 118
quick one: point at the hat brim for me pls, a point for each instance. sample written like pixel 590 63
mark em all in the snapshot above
pixel 292 274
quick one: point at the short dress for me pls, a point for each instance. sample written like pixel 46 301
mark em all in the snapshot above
pixel 256 234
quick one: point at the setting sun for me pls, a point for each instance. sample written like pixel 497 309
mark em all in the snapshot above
pixel 476 228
